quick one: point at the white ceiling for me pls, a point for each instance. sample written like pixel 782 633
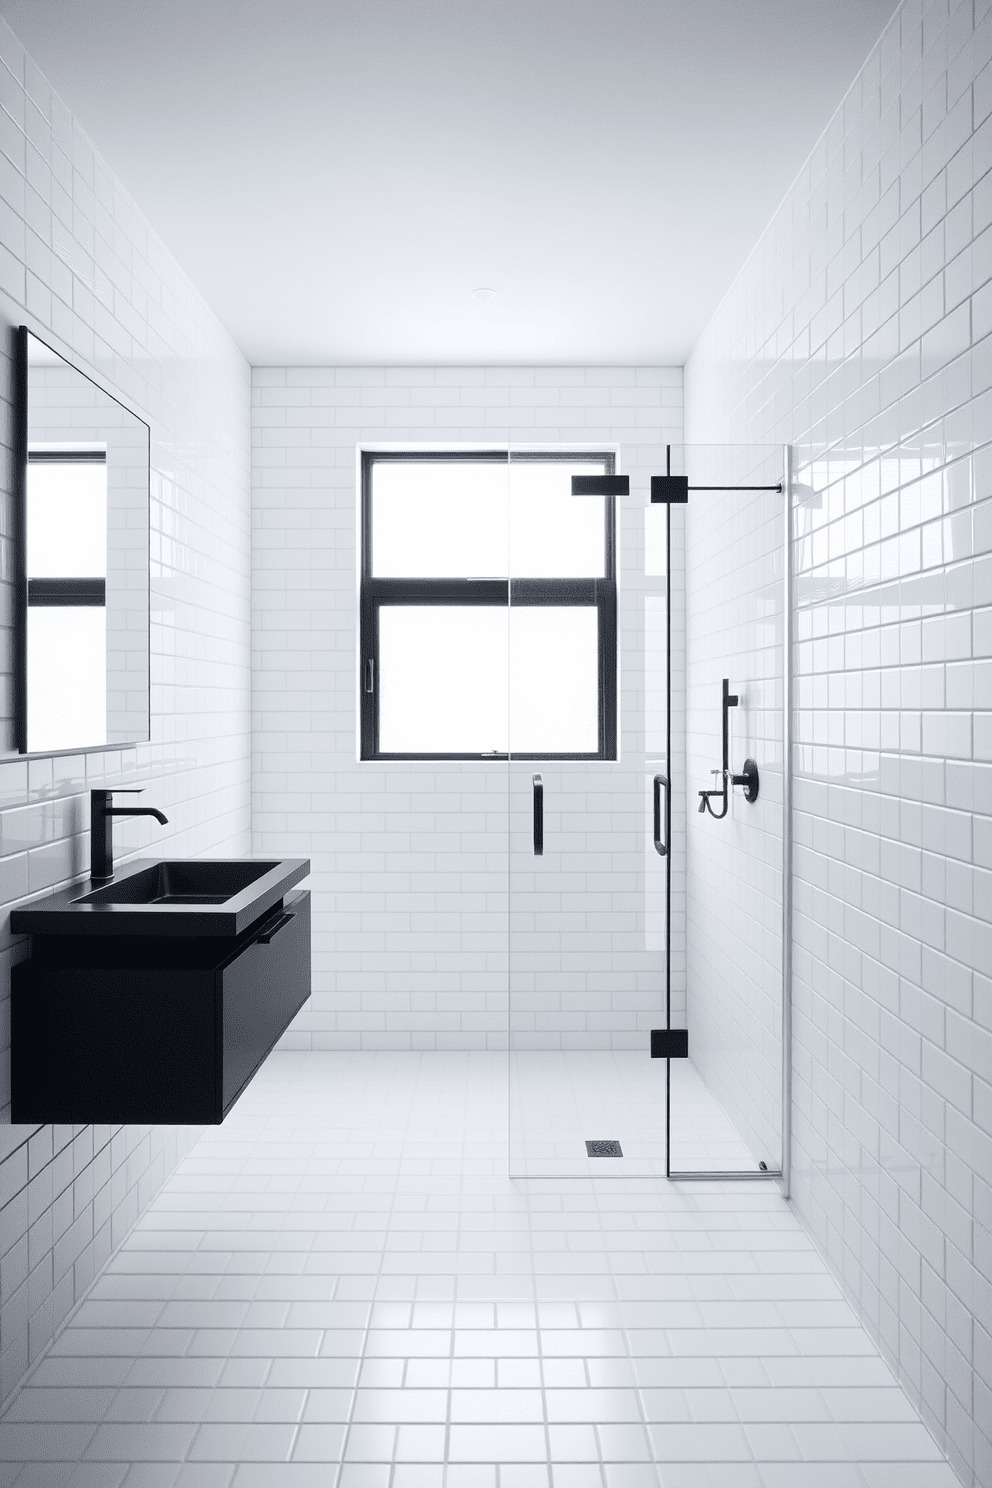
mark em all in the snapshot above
pixel 338 176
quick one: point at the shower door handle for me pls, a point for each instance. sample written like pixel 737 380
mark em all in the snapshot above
pixel 661 847
pixel 538 817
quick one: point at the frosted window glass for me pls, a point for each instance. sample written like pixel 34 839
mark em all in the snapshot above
pixel 67 520
pixel 450 519
pixel 442 679
pixel 67 676
pixel 553 534
pixel 554 680
pixel 439 520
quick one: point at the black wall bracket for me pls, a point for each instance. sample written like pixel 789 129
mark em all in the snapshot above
pixel 748 778
pixel 669 1043
pixel 672 490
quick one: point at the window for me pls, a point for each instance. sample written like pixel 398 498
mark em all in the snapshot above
pixel 66 597
pixel 488 607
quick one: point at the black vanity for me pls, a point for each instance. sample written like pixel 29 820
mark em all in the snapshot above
pixel 154 998
pixel 153 992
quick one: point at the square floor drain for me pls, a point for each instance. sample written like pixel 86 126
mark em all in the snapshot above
pixel 603 1149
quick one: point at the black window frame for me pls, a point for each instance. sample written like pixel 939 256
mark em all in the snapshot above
pixel 600 594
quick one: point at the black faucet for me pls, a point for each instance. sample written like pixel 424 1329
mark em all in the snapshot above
pixel 102 828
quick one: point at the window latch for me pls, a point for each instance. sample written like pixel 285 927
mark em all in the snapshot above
pixel 370 675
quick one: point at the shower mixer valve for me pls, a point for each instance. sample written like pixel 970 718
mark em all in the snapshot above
pixel 748 778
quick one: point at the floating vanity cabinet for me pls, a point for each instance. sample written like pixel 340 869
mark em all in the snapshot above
pixel 153 1028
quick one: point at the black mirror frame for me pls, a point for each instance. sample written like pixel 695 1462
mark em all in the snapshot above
pixel 20 535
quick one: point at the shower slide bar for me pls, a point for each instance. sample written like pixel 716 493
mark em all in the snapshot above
pixel 748 778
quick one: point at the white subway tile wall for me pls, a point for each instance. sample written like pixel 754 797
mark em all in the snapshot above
pixel 81 266
pixel 410 859
pixel 859 329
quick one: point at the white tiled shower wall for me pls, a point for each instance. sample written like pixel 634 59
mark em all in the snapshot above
pixel 80 265
pixel 859 329
pixel 410 860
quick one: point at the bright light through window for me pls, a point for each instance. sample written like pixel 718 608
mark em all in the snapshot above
pixel 67 519
pixel 439 521
pixel 67 676
pixel 526 674
pixel 459 519
pixel 553 534
pixel 66 555
pixel 554 692
pixel 421 651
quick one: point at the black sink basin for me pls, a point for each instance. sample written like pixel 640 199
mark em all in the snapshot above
pixel 204 896
pixel 199 882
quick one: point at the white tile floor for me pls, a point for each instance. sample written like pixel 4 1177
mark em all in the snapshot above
pixel 341 1287
pixel 558 1099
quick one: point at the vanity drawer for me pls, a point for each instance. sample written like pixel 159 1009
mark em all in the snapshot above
pixel 261 991
pixel 153 1033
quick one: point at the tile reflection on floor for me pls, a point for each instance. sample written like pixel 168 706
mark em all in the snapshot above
pixel 341 1287
pixel 559 1099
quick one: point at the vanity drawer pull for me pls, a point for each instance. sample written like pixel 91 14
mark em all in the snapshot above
pixel 272 931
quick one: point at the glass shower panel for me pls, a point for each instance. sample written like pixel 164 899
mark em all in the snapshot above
pixel 726 1097
pixel 587 888
pixel 645 871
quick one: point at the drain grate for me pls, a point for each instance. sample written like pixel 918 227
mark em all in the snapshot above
pixel 603 1149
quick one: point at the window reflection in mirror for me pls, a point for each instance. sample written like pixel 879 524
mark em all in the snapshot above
pixel 85 681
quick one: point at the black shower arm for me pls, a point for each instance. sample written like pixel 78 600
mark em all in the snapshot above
pixel 668 470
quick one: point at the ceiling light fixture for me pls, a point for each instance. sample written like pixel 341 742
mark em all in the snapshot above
pixel 483 294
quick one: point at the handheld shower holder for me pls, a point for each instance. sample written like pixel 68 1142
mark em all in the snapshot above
pixel 748 778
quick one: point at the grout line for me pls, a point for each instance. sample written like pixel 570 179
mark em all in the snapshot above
pixel 339 1468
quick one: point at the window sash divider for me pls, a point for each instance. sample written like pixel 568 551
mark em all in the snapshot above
pixel 436 591
pixel 68 591
pixel 516 592
pixel 67 457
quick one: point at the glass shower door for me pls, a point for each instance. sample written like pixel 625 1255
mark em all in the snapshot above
pixel 588 927
pixel 726 1098
pixel 647 988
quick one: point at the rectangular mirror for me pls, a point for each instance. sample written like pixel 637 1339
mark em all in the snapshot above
pixel 82 672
